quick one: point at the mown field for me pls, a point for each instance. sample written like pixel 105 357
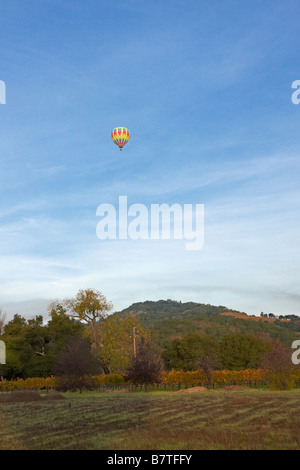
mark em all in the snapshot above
pixel 215 419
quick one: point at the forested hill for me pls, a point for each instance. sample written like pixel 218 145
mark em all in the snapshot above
pixel 169 319
pixel 153 312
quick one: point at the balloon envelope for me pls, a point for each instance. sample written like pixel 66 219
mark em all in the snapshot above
pixel 120 136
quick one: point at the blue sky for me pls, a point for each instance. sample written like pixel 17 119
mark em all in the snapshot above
pixel 205 89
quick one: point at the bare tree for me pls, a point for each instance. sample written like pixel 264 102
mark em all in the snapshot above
pixel 2 321
pixel 208 364
pixel 146 366
pixel 75 366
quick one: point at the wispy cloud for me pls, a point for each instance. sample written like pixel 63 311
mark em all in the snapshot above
pixel 212 123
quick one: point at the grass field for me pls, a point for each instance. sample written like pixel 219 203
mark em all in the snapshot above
pixel 216 419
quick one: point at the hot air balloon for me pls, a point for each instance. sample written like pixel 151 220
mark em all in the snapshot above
pixel 120 136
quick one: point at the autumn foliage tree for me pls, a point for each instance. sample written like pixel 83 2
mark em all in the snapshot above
pixel 111 336
pixel 117 340
pixel 89 306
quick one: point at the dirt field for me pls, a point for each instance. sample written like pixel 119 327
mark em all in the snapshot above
pixel 216 419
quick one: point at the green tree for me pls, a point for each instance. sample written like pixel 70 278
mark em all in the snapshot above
pixel 60 330
pixel 188 353
pixel 241 351
pixel 17 349
pixel 32 347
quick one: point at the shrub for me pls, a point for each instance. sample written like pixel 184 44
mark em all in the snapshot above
pixel 73 383
pixel 110 379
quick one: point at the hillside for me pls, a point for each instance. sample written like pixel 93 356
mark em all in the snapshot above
pixel 244 316
pixel 153 312
pixel 169 319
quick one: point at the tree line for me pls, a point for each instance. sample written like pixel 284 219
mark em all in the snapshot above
pixel 81 338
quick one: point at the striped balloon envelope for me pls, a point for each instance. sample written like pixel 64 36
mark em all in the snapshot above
pixel 120 136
